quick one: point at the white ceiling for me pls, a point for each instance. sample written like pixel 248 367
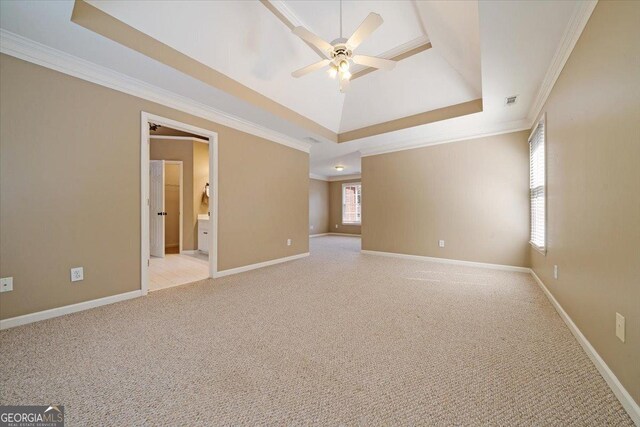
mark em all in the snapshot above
pixel 492 49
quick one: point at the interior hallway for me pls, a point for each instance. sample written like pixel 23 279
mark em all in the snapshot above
pixel 335 338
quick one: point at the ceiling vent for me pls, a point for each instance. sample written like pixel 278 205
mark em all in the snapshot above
pixel 313 140
pixel 511 99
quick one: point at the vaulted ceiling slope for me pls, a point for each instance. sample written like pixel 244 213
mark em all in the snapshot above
pixel 458 63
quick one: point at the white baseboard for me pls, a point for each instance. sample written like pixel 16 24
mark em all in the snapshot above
pixel 189 252
pixel 318 235
pixel 450 261
pixel 67 309
pixel 616 386
pixel 345 234
pixel 258 265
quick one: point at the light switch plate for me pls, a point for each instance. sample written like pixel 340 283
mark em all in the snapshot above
pixel 77 274
pixel 6 284
pixel 620 326
pixel 555 271
pixel 288 242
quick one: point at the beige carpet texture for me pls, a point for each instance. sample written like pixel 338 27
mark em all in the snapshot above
pixel 338 338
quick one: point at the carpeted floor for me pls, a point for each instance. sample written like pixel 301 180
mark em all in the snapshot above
pixel 338 338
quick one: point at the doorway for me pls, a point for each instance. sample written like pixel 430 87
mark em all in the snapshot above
pixel 166 202
pixel 179 200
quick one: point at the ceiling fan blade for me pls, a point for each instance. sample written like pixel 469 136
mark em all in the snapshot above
pixel 372 61
pixel 368 26
pixel 344 85
pixel 309 68
pixel 309 37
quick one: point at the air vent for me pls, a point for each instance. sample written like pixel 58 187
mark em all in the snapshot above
pixel 511 99
pixel 313 140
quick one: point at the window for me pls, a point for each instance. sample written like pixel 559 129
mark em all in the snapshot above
pixel 537 181
pixel 351 206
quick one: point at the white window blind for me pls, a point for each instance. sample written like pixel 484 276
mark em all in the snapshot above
pixel 537 181
pixel 351 203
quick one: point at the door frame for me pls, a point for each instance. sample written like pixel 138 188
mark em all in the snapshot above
pixel 180 195
pixel 145 156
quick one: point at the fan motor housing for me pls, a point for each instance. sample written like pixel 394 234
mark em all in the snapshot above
pixel 340 49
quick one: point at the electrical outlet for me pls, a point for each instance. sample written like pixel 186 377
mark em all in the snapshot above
pixel 77 274
pixel 441 243
pixel 336 225
pixel 6 284
pixel 555 271
pixel 620 326
pixel 311 227
pixel 288 242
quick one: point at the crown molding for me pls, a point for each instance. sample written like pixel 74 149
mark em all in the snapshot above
pixel 499 129
pixel 578 21
pixel 318 177
pixel 179 138
pixel 281 7
pixel 37 53
pixel 344 177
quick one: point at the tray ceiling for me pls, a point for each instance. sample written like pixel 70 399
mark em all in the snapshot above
pixel 488 50
pixel 254 46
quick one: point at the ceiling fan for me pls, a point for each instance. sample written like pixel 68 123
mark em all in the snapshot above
pixel 339 53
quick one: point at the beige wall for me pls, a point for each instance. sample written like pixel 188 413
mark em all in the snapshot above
pixel 70 193
pixel 318 206
pixel 471 194
pixel 169 149
pixel 593 184
pixel 200 178
pixel 335 209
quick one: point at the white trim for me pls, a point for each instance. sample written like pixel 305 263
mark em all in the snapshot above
pixel 577 22
pixel 335 178
pixel 67 309
pixel 145 118
pixel 179 138
pixel 616 386
pixel 498 129
pixel 320 177
pixel 344 178
pixel 450 261
pixel 259 265
pixel 398 50
pixel 318 235
pixel 189 252
pixel 281 7
pixel 346 234
pixel 37 53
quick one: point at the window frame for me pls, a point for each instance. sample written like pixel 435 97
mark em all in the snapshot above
pixel 543 121
pixel 344 185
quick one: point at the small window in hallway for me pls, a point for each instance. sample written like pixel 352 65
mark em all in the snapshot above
pixel 351 203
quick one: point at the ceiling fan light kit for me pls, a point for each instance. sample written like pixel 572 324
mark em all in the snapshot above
pixel 339 53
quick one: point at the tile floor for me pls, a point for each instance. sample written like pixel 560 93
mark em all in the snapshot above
pixel 177 269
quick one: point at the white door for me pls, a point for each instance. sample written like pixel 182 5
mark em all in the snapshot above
pixel 156 207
